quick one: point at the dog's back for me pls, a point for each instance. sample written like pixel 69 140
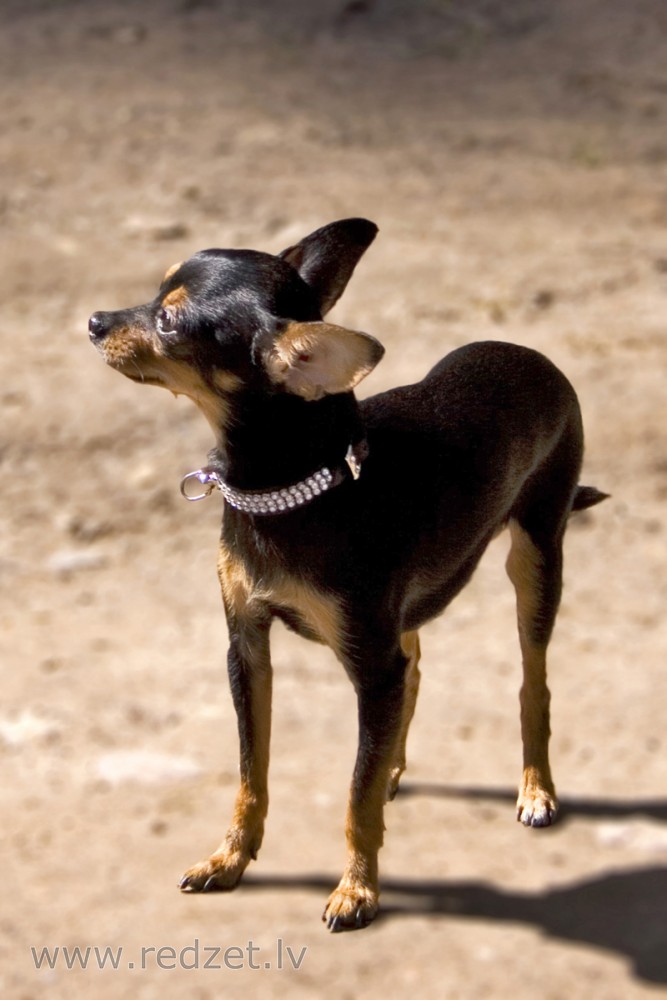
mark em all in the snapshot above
pixel 448 459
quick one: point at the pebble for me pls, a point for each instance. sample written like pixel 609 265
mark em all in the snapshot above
pixel 24 728
pixel 144 767
pixel 67 561
pixel 639 836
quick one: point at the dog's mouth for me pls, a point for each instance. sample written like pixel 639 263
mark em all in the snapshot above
pixel 132 351
pixel 129 351
pixel 138 366
pixel 132 365
pixel 136 375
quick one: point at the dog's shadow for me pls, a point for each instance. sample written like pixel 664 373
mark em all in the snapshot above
pixel 623 911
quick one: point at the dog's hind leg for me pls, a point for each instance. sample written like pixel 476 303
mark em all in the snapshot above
pixel 535 569
pixel 410 646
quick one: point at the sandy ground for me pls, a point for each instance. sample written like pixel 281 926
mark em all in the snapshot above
pixel 515 159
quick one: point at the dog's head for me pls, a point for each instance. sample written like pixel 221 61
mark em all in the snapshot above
pixel 231 319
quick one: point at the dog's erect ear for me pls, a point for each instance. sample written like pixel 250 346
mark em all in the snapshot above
pixel 326 259
pixel 317 359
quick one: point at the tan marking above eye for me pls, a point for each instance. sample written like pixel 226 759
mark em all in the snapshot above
pixel 176 299
pixel 171 270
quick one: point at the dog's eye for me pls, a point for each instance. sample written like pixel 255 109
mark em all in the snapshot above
pixel 166 322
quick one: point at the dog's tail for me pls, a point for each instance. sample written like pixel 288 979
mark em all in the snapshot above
pixel 587 496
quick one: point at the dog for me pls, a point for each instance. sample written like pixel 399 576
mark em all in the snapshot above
pixel 355 522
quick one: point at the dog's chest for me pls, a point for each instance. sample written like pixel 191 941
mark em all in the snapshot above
pixel 250 596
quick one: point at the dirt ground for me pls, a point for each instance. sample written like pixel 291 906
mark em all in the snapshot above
pixel 514 156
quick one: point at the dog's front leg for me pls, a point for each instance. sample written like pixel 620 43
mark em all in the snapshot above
pixel 250 677
pixel 354 903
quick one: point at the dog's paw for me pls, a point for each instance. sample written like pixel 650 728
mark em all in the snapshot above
pixel 351 907
pixel 536 807
pixel 220 873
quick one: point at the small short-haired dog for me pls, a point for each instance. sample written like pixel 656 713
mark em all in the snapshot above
pixel 355 522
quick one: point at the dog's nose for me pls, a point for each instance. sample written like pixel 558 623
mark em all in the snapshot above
pixel 98 325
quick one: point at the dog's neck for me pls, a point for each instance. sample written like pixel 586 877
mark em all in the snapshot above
pixel 274 441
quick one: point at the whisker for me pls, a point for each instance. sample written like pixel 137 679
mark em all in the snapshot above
pixel 141 374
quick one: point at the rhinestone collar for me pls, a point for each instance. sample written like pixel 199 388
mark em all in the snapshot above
pixel 276 501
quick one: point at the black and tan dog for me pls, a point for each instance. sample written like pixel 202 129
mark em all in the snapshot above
pixel 355 522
